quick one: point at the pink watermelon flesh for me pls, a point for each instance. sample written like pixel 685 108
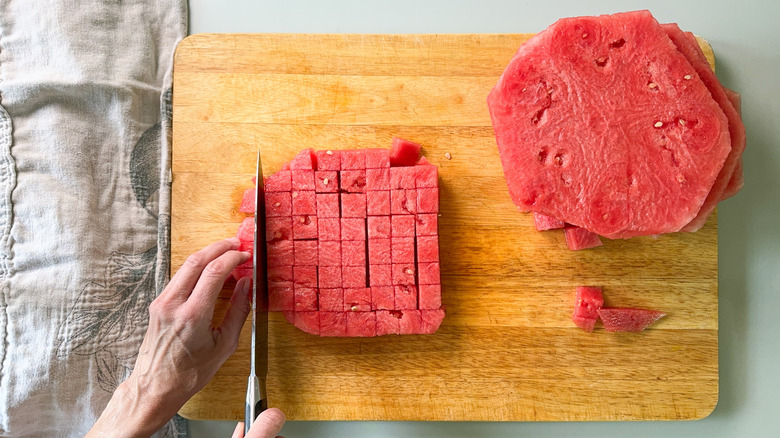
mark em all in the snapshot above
pixel 737 178
pixel 597 125
pixel 341 264
pixel 579 238
pixel 619 319
pixel 543 222
pixel 735 127
pixel 588 301
pixel 404 152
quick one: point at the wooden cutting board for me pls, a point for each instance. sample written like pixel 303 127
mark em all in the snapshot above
pixel 507 350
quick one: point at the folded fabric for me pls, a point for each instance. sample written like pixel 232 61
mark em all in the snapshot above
pixel 84 201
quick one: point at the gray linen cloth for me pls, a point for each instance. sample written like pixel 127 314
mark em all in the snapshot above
pixel 84 201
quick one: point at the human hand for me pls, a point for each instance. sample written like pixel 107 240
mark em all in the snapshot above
pixel 181 351
pixel 267 425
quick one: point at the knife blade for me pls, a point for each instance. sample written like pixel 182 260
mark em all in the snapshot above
pixel 256 397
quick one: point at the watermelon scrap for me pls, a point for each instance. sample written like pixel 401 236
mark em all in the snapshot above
pixel 247 201
pixel 305 160
pixel 579 238
pixel 588 301
pixel 404 152
pixel 621 319
pixel 278 182
pixel 542 222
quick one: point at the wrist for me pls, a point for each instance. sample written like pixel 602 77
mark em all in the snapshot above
pixel 131 412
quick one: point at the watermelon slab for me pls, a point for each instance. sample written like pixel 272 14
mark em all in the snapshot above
pixel 606 124
pixel 619 319
pixel 352 240
pixel 579 238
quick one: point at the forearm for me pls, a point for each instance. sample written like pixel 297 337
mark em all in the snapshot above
pixel 130 414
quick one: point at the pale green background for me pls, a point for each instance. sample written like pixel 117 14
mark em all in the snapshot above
pixel 745 36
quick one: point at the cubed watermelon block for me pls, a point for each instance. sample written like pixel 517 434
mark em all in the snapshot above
pixel 305 252
pixel 382 297
pixel 428 273
pixel 329 229
pixel 429 296
pixel 379 252
pixel 304 227
pixel 326 181
pixel 305 299
pixel 405 297
pixel 353 205
pixel 378 203
pixel 377 158
pixel 278 228
pixel 353 181
pixel 281 297
pixel 278 204
pixel 403 201
pixel 333 324
pixel 404 152
pixel 410 323
pixel 247 201
pixel 353 229
pixel 403 177
pixel 353 253
pixel 305 276
pixel 280 253
pixel 377 179
pixel 353 276
pixel 353 159
pixel 328 205
pixel 427 176
pixel 428 249
pixel 328 160
pixel 331 299
pixel 304 202
pixel 280 181
pixel 329 253
pixel 329 277
pixel 380 275
pixel 428 200
pixel 361 324
pixel 427 225
pixel 403 226
pixel 357 299
pixel 402 250
pixel 305 160
pixel 379 227
pixel 388 322
pixel 302 180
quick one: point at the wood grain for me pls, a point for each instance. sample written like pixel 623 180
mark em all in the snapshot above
pixel 507 350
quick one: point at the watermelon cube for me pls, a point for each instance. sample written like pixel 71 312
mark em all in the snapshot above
pixel 327 205
pixel 427 224
pixel 302 180
pixel 429 296
pixel 278 228
pixel 281 297
pixel 628 320
pixel 280 253
pixel 357 299
pixel 305 253
pixel 331 299
pixel 304 202
pixel 428 273
pixel 403 274
pixel 378 203
pixel 402 250
pixel 579 238
pixel 326 181
pixel 239 273
pixel 353 181
pixel 353 205
pixel 353 229
pixel 305 160
pixel 309 322
pixel 279 274
pixel 248 201
pixel 361 324
pixel 388 322
pixel 431 320
pixel 428 249
pixel 543 222
pixel 278 204
pixel 403 177
pixel 404 152
pixel 427 176
pixel 305 299
pixel 329 277
pixel 405 296
pixel 379 227
pixel 382 297
pixel 353 253
pixel 378 179
pixel 329 229
pixel 246 231
pixel 588 301
pixel 280 181
pixel 304 227
pixel 353 276
pixel 379 252
pixel 403 226
pixel 428 200
pixel 333 324
pixel 377 158
pixel 305 276
pixel 403 201
pixel 329 253
pixel 246 245
pixel 410 323
pixel 354 159
pixel 380 275
pixel 328 160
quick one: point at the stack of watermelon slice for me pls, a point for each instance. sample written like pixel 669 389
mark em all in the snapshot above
pixel 352 240
pixel 616 126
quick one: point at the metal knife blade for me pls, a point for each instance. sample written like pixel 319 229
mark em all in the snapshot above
pixel 256 397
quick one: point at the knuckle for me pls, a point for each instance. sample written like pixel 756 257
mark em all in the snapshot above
pixel 216 268
pixel 195 260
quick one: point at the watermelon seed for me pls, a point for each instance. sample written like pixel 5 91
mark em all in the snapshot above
pixel 652 85
pixel 659 124
pixel 277 204
pixel 680 178
pixel 325 181
pixel 601 62
pixel 542 155
pixel 687 77
pixel 329 152
pixel 559 159
pixel 585 34
pixel 354 308
pixel 448 156
pixel 617 44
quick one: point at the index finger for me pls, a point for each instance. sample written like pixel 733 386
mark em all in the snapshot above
pixel 183 282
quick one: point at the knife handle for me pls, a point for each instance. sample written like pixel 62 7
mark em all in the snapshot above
pixel 255 404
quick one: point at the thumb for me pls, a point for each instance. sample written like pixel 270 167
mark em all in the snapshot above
pixel 268 424
pixel 238 310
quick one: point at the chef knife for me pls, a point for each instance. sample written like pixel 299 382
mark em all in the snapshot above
pixel 256 398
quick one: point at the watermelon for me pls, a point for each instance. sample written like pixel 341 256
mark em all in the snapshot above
pixel 588 301
pixel 352 239
pixel 542 222
pixel 579 238
pixel 619 319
